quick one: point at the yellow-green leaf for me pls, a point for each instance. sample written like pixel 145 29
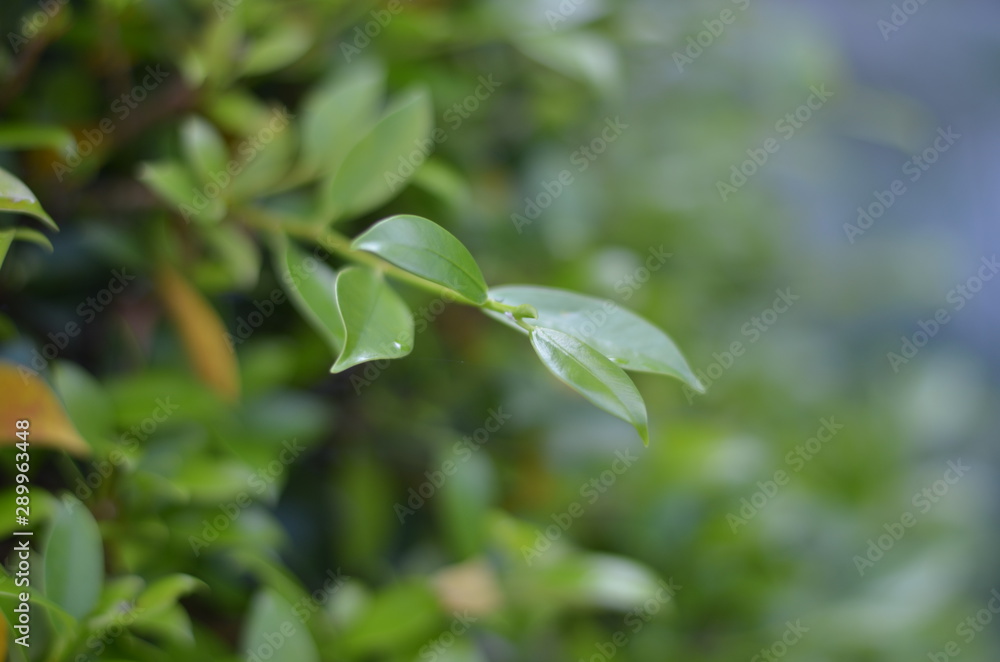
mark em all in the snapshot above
pixel 202 332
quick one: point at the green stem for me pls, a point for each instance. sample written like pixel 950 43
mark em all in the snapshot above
pixel 340 245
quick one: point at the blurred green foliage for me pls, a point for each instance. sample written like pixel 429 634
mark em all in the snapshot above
pixel 458 504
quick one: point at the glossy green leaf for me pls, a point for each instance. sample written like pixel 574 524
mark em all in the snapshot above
pixel 427 250
pixel 74 559
pixel 311 285
pixel 176 185
pixel 593 375
pixel 377 167
pixel 18 198
pixel 30 136
pixel 337 114
pixel 272 618
pixel 204 149
pixel 377 322
pixel 626 338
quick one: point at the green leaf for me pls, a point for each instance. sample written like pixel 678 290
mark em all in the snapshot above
pixel 427 250
pixel 373 172
pixel 18 198
pixel 33 236
pixel 263 163
pixel 336 114
pixel 164 593
pixel 86 401
pixel 6 239
pixel 175 184
pixel 74 559
pixel 204 148
pixel 624 337
pixel 279 48
pixel 272 617
pixel 311 285
pixel 397 617
pixel 593 375
pixel 377 323
pixel 29 136
pixel 171 624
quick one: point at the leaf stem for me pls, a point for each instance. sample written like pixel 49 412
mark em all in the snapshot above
pixel 340 245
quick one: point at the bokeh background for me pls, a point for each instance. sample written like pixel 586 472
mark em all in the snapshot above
pixel 767 550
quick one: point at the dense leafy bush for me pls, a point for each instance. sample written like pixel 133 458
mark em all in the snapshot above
pixel 248 192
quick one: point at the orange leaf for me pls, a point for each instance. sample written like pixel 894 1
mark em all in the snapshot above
pixel 26 396
pixel 202 333
pixel 3 637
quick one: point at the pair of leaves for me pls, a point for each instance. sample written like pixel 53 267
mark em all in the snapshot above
pixel 16 197
pixel 361 156
pixel 588 343
pixel 376 168
pixel 355 311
